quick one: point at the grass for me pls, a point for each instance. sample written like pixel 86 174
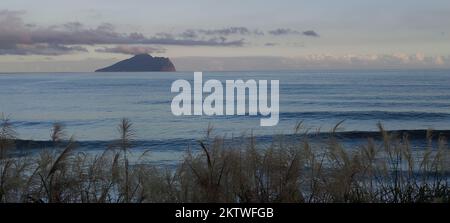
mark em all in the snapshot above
pixel 221 171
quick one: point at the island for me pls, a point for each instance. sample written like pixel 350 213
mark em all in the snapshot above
pixel 141 63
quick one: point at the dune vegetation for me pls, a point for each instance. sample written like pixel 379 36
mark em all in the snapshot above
pixel 382 171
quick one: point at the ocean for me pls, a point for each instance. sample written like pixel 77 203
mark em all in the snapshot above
pixel 91 105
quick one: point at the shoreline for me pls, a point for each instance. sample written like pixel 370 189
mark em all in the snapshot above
pixel 416 134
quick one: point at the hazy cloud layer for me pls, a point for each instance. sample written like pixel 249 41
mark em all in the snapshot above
pixel 41 49
pixel 314 61
pixel 395 60
pixel 131 50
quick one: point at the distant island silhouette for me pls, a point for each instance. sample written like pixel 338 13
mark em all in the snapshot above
pixel 141 63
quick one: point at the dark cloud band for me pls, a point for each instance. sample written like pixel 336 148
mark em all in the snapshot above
pixel 19 38
pixel 287 31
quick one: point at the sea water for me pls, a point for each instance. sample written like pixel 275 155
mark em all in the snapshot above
pixel 91 105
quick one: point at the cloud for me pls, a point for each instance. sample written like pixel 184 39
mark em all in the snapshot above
pixel 230 31
pixel 287 31
pixel 105 34
pixel 131 50
pixel 20 38
pixel 234 30
pixel 311 33
pixel 212 36
pixel 215 41
pixel 270 44
pixel 283 31
pixel 440 60
pixel 15 38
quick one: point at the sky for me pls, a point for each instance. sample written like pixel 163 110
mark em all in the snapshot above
pixel 82 35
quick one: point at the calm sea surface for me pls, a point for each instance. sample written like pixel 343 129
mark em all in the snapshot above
pixel 91 105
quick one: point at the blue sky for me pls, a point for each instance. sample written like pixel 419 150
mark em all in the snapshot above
pixel 348 33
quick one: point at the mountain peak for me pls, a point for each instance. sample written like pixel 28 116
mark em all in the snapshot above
pixel 141 63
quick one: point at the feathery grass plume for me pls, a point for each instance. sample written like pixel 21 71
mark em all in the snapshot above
pixel 7 136
pixel 125 142
pixel 52 182
pixel 237 169
pixel 57 134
